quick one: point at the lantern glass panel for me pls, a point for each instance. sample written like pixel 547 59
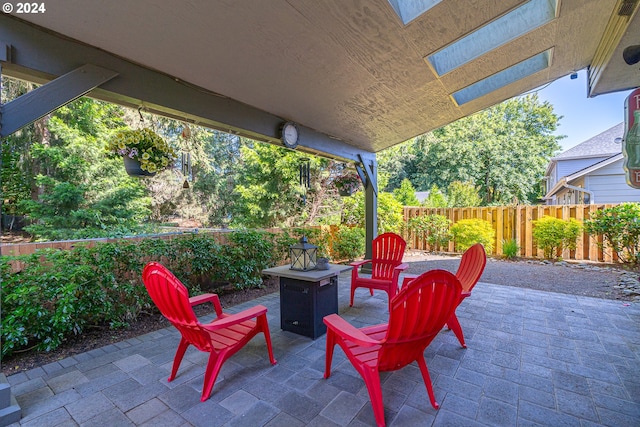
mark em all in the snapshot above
pixel 303 255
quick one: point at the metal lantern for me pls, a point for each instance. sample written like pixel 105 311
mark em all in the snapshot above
pixel 303 255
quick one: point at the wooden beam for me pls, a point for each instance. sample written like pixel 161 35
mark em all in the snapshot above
pixel 33 105
pixel 39 56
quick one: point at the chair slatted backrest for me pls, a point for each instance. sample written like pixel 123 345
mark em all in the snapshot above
pixel 471 266
pixel 172 299
pixel 387 252
pixel 418 314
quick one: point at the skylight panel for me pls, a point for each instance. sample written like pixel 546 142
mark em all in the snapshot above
pixel 408 10
pixel 519 21
pixel 507 76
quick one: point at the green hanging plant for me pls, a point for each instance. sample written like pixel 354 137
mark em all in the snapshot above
pixel 144 146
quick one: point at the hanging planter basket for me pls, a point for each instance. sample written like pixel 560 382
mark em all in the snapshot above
pixel 144 152
pixel 133 168
pixel 347 184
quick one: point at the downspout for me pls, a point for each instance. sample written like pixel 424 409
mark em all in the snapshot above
pixel 582 190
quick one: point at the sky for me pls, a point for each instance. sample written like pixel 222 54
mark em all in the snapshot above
pixel 583 117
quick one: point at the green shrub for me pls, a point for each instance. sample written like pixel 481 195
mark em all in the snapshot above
pixel 390 212
pixel 468 232
pixel 436 198
pixel 317 237
pixel 349 243
pixel 553 234
pixel 620 227
pixel 510 248
pixel 248 253
pixel 281 243
pixel 434 229
pixel 463 194
pixel 406 194
pixel 58 294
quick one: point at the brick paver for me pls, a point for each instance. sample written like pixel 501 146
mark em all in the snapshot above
pixel 533 358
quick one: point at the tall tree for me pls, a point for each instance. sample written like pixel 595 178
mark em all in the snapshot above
pixel 81 193
pixel 503 151
pixel 267 187
pixel 18 168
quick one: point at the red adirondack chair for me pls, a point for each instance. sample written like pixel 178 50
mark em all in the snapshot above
pixel 221 338
pixel 386 266
pixel 418 312
pixel 469 271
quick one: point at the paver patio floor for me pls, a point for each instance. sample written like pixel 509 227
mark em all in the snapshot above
pixel 533 359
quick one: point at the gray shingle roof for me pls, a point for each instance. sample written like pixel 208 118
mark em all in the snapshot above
pixel 600 145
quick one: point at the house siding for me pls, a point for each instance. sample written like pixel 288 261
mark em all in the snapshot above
pixel 568 167
pixel 552 178
pixel 596 165
pixel 610 186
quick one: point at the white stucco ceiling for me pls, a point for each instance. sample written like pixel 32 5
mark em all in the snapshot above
pixel 349 69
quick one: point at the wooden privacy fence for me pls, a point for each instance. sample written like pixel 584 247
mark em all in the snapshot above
pixel 30 248
pixel 516 222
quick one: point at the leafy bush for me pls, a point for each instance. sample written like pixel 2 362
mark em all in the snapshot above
pixel 248 254
pixel 316 236
pixel 58 294
pixel 434 229
pixel 349 243
pixel 620 227
pixel 468 232
pixel 510 248
pixel 463 194
pixel 406 194
pixel 553 234
pixel 390 212
pixel 436 198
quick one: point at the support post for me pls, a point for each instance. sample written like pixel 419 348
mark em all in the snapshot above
pixel 368 171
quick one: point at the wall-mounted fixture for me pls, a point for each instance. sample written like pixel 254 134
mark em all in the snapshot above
pixel 631 54
pixel 289 134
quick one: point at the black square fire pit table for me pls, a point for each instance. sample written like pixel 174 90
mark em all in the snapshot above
pixel 306 297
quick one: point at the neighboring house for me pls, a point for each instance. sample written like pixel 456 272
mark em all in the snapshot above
pixel 422 195
pixel 590 172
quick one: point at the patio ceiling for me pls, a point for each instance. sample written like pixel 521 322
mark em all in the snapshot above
pixel 352 70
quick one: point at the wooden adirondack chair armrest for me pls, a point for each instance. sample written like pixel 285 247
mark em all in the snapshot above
pixel 346 330
pixel 233 319
pixel 205 298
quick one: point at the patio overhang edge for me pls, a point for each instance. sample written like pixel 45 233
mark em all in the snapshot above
pixel 38 55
